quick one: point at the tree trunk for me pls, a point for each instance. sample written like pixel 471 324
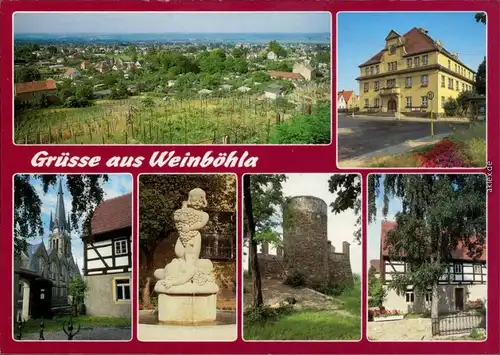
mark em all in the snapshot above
pixel 254 262
pixel 146 294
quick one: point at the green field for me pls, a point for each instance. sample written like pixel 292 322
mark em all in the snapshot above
pixel 150 120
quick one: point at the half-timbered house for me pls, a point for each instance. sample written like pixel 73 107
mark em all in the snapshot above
pixel 108 259
pixel 464 280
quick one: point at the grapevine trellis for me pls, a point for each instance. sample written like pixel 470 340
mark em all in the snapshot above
pixel 240 120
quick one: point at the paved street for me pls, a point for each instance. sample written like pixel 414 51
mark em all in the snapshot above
pixel 359 136
pixel 87 333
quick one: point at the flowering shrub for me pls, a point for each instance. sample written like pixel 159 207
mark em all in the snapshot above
pixel 477 304
pixel 385 312
pixel 443 155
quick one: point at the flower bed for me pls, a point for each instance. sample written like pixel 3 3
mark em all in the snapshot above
pixel 477 304
pixel 442 155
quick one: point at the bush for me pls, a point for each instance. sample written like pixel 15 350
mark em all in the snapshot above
pixel 295 279
pixel 304 129
pixel 330 288
pixel 451 107
pixel 265 314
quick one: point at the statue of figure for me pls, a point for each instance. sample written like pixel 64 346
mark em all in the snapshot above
pixel 189 219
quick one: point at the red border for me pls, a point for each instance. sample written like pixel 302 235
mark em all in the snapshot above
pixel 16 159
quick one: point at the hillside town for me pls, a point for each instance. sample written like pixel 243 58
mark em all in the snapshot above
pixel 72 75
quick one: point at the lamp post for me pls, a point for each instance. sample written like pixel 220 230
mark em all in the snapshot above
pixel 430 97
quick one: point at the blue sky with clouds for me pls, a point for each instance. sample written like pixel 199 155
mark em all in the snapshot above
pixel 362 35
pixel 375 228
pixel 117 185
pixel 158 22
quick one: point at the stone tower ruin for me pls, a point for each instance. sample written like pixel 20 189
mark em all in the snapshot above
pixel 305 237
pixel 306 248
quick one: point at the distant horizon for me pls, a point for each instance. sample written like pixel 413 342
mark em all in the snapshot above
pixel 171 22
pixel 166 32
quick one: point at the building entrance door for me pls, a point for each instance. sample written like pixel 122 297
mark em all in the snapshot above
pixel 459 299
pixel 392 105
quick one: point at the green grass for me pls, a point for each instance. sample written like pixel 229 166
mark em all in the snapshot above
pixel 306 325
pixel 351 299
pixel 54 325
pixel 470 143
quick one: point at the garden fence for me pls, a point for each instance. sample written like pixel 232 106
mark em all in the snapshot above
pixel 459 323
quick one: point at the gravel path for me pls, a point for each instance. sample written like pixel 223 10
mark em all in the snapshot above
pixel 87 333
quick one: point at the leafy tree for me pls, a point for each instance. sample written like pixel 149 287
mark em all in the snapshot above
pixel 84 92
pixel 52 50
pixel 260 77
pixel 348 190
pixel 438 212
pixel 275 47
pixel 26 74
pixel 376 291
pixel 262 194
pixel 481 17
pixel 86 191
pixel 451 107
pixel 304 128
pixel 239 52
pixel 480 83
pixel 77 289
pixel 322 57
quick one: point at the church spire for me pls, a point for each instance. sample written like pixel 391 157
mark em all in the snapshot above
pixel 60 221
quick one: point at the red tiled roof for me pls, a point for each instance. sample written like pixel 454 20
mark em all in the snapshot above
pixel 376 264
pixel 283 74
pixel 460 253
pixel 346 94
pixel 415 41
pixel 112 215
pixel 36 86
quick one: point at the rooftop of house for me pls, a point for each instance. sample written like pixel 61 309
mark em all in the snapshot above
pixel 36 86
pixel 286 75
pixel 415 41
pixel 461 252
pixel 346 94
pixel 112 214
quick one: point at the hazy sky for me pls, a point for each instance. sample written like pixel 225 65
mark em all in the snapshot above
pixel 362 35
pixel 117 185
pixel 157 22
pixel 340 226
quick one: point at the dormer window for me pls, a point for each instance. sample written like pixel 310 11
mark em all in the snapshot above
pixel 392 49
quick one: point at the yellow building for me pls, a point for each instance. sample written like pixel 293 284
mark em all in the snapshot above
pixel 399 77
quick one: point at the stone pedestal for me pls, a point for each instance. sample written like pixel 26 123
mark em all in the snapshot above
pixel 178 308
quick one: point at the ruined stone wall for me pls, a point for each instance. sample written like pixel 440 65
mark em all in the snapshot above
pixel 306 246
pixel 305 238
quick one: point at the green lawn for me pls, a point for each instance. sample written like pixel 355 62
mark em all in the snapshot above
pixel 51 325
pixel 306 325
pixel 312 324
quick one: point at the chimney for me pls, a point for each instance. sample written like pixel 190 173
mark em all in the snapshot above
pixel 265 248
pixel 346 248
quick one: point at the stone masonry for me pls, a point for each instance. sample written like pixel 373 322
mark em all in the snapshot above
pixel 306 246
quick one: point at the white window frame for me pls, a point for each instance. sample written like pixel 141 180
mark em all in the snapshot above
pixel 458 268
pixel 119 248
pixel 409 295
pixel 122 284
pixel 428 296
pixel 476 267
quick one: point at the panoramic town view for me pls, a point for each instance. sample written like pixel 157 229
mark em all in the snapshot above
pixel 172 78
pixel 413 94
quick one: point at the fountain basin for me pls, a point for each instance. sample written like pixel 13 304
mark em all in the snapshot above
pixel 181 309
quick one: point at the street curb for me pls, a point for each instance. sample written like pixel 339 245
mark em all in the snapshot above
pixel 411 119
pixel 391 151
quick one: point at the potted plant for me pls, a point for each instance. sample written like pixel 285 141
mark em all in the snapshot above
pixel 380 315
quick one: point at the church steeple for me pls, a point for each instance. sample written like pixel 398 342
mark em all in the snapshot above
pixel 60 222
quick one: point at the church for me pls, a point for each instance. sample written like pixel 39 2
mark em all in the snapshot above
pixel 45 271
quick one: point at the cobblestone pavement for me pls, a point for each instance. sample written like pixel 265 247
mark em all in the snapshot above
pixel 87 333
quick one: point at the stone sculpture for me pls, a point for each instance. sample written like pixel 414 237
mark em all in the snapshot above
pixel 186 287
